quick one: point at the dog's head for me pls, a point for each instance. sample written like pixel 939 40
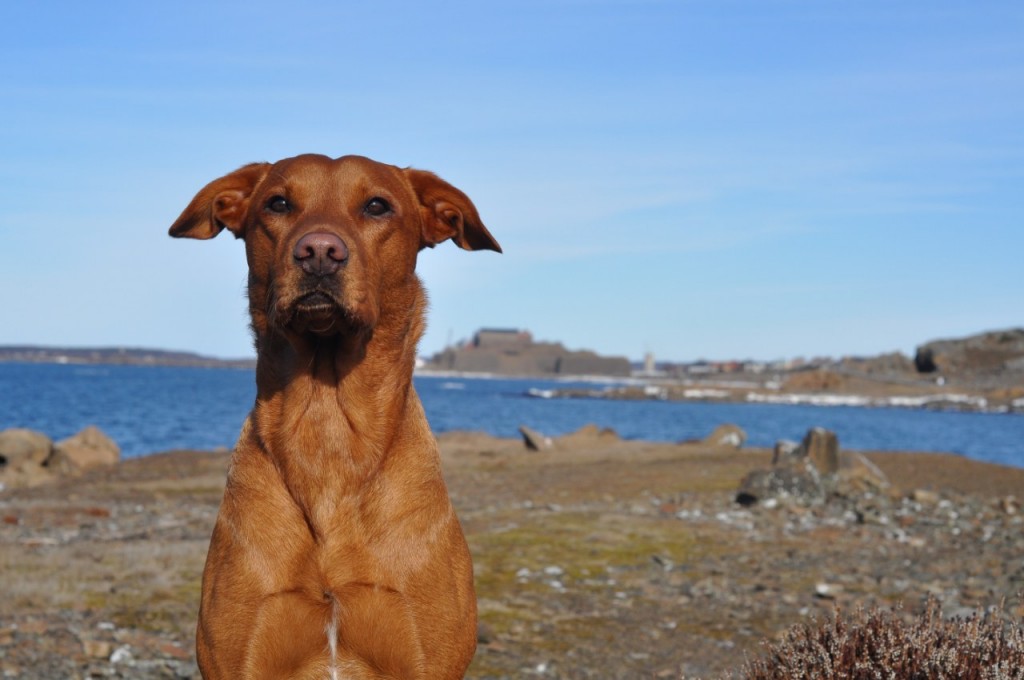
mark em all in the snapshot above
pixel 327 239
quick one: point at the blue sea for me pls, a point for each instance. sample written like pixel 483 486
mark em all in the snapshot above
pixel 152 409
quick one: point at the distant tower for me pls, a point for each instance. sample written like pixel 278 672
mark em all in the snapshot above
pixel 649 363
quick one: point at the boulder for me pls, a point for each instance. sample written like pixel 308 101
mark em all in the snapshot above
pixel 728 435
pixel 821 447
pixel 534 440
pixel 812 472
pixel 19 447
pixel 785 450
pixel 25 476
pixel 924 360
pixel 796 480
pixel 87 449
pixel 23 455
pixel 858 476
pixel 587 436
pixel 816 471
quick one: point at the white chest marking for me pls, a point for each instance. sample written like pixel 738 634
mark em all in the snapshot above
pixel 331 630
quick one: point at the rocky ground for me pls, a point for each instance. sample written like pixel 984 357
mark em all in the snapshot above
pixel 596 558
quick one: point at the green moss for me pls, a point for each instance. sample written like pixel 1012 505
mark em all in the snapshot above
pixel 584 546
pixel 589 549
pixel 170 610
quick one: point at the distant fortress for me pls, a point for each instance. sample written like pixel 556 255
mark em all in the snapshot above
pixel 513 352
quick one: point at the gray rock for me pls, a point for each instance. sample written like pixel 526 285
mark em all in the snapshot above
pixel 806 472
pixel 799 482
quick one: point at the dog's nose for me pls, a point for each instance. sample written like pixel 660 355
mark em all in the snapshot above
pixel 320 253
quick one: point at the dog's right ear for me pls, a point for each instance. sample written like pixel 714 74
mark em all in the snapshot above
pixel 220 204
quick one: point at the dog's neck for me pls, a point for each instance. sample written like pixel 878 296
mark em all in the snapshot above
pixel 352 394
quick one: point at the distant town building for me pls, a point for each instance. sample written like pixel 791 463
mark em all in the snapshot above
pixel 513 352
pixel 501 338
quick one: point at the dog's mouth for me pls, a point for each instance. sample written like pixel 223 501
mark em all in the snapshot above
pixel 315 304
pixel 319 313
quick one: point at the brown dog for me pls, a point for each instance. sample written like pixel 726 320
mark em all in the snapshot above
pixel 336 553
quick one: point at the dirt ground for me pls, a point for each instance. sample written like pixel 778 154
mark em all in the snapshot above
pixel 596 559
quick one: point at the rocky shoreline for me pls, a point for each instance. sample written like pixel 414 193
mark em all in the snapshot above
pixel 594 557
pixel 819 389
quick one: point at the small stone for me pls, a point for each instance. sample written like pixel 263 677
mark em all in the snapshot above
pixel 175 651
pixel 97 649
pixel 925 497
pixel 728 436
pixel 827 591
pixel 187 669
pixel 122 654
pixel 484 633
pixel 1010 505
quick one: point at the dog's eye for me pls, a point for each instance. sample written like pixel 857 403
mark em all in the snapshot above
pixel 376 207
pixel 279 204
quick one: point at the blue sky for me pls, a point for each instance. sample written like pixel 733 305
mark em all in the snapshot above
pixel 699 179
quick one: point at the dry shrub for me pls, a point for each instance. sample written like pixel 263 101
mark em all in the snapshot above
pixel 878 645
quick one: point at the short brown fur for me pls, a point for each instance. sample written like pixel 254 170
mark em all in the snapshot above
pixel 336 553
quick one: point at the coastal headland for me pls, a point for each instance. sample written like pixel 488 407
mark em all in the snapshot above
pixel 595 557
pixel 983 372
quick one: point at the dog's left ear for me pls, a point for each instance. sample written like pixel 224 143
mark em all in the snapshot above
pixel 447 213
